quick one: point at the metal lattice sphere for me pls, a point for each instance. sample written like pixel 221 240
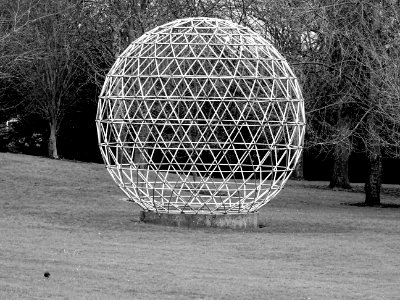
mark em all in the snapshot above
pixel 201 115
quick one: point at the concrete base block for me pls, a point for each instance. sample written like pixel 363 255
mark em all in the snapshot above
pixel 234 221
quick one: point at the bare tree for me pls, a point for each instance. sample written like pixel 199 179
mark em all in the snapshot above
pixel 107 27
pixel 361 40
pixel 382 60
pixel 347 53
pixel 16 18
pixel 52 78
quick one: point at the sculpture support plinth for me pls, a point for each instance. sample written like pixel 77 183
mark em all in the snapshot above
pixel 233 221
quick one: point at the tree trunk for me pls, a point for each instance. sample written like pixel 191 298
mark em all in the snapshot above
pixel 340 175
pixel 52 144
pixel 373 182
pixel 299 169
pixel 139 158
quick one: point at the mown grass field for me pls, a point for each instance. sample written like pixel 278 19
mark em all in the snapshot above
pixel 67 218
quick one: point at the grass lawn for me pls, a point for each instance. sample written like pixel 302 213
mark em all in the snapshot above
pixel 67 218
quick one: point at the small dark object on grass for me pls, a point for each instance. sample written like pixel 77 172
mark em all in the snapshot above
pixel 46 274
pixel 262 223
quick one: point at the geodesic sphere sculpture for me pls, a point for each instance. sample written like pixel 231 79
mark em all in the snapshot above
pixel 201 115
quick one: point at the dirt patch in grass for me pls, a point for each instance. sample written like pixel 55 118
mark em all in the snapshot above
pixel 67 219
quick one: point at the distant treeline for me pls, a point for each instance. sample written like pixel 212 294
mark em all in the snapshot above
pixel 54 55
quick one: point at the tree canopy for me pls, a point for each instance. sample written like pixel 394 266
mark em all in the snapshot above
pixel 55 55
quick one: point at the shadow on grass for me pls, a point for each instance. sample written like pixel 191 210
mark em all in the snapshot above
pixel 382 205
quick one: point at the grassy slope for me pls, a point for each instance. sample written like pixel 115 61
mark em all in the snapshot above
pixel 65 218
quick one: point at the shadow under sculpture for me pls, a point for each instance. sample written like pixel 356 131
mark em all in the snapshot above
pixel 201 116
